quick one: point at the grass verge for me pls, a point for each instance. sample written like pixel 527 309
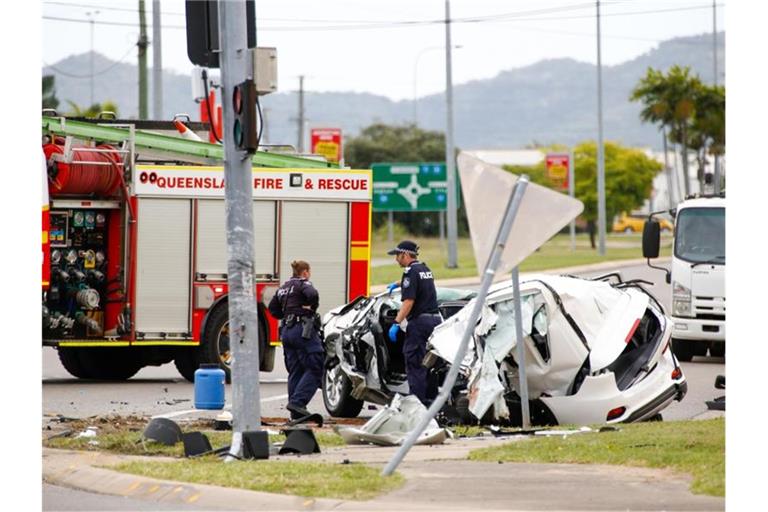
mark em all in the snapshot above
pixel 556 253
pixel 694 447
pixel 322 480
pixel 131 443
pixel 315 479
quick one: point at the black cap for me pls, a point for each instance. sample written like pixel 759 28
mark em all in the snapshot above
pixel 405 246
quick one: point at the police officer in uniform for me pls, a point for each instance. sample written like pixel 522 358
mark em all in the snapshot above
pixel 295 303
pixel 419 308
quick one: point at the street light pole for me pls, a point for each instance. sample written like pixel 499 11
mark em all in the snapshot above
pixel 714 61
pixel 600 151
pixel 450 157
pixel 91 15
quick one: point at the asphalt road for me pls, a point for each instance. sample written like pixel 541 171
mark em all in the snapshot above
pixel 161 390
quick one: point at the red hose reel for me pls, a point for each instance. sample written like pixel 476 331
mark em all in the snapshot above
pixel 91 172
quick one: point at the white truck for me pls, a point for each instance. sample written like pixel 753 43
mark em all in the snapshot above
pixel 697 274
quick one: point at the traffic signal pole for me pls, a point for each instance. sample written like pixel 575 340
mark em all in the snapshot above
pixel 243 313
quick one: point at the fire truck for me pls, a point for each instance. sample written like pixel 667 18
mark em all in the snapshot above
pixel 135 251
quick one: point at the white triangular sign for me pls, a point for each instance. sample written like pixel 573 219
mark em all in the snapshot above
pixel 487 190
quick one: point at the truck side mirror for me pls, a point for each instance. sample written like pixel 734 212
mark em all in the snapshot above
pixel 651 239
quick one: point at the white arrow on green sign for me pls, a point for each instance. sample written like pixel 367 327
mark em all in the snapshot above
pixel 409 187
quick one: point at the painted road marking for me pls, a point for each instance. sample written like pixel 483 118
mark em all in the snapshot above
pixel 226 407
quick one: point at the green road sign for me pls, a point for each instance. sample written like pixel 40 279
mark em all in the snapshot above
pixel 410 187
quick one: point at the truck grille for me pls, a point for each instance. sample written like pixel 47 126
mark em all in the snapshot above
pixel 709 308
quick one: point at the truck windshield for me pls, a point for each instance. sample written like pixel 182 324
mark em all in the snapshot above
pixel 700 235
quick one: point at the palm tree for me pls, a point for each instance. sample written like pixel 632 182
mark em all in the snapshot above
pixel 92 111
pixel 707 132
pixel 670 101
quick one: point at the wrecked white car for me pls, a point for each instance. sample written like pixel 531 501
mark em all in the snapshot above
pixel 362 364
pixel 596 351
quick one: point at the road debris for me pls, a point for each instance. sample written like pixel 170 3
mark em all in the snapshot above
pixel 391 425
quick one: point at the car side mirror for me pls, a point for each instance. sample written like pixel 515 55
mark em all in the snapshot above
pixel 651 239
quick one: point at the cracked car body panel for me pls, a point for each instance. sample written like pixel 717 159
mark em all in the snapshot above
pixel 590 348
pixel 392 424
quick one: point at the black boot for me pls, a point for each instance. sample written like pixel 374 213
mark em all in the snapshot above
pixel 297 411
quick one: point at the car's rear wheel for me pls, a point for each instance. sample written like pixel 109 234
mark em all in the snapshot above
pixel 684 350
pixel 337 394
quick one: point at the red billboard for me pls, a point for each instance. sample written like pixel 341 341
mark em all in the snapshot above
pixel 326 142
pixel 557 169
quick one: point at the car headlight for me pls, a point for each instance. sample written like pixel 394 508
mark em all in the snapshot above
pixel 681 300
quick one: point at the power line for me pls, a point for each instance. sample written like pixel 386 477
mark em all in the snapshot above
pixel 300 20
pixel 368 25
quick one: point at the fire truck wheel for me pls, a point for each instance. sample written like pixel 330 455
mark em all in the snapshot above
pixel 214 343
pixel 111 363
pixel 70 359
pixel 266 351
pixel 215 347
pixel 186 363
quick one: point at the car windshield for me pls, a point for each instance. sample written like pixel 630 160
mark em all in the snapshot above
pixel 700 235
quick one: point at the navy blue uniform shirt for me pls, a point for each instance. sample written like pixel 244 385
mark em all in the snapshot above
pixel 292 296
pixel 418 284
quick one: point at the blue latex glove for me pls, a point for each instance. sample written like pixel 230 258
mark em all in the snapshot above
pixel 393 333
pixel 392 286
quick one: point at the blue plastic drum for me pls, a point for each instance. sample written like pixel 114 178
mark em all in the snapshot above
pixel 209 387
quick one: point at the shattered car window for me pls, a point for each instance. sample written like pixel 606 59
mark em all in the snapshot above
pixel 502 339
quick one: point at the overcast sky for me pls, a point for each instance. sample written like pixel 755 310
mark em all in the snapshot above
pixel 392 47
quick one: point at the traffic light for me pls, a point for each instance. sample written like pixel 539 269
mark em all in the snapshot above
pixel 203 30
pixel 244 129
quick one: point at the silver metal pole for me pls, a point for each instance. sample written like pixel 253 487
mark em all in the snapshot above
pixel 157 62
pixel 441 228
pixel 91 15
pixel 714 38
pixel 668 171
pixel 677 173
pixel 243 312
pixel 572 193
pixel 490 271
pixel 525 407
pixel 714 61
pixel 600 150
pixel 415 97
pixel 390 226
pixel 450 157
pixel 300 142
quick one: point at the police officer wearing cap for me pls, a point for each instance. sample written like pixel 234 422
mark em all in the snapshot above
pixel 295 304
pixel 419 308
